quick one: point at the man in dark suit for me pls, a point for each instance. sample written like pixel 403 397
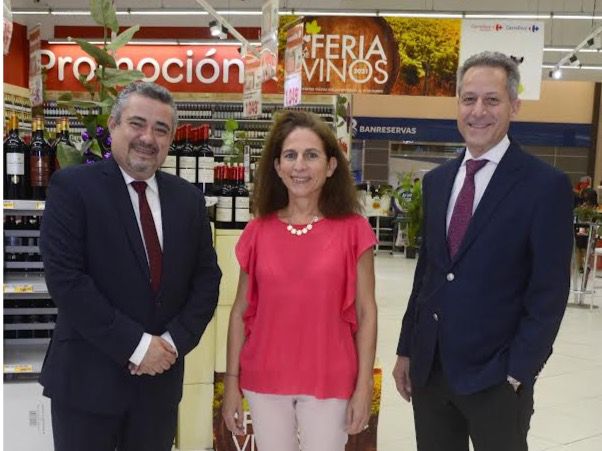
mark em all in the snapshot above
pixel 492 278
pixel 129 262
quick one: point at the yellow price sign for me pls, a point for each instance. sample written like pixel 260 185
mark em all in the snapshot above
pixel 24 289
pixel 18 368
pixel 9 204
pixel 40 205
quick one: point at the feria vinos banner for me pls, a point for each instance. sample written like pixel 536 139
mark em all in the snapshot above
pixel 377 55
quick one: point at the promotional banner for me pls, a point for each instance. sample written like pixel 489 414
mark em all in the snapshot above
pixel 269 39
pixel 251 97
pixel 36 87
pixel 293 63
pixel 202 68
pixel 376 55
pixel 226 441
pixel 522 40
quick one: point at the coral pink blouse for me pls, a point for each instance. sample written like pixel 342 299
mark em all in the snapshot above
pixel 300 320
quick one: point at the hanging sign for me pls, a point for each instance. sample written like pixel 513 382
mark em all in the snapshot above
pixel 522 40
pixel 293 61
pixel 251 97
pixel 36 87
pixel 269 39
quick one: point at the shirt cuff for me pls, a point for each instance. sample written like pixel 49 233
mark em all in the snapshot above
pixel 515 384
pixel 167 337
pixel 140 351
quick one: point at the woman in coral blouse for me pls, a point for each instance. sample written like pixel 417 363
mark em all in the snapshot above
pixel 302 332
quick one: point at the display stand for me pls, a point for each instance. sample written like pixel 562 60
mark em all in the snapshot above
pixel 581 279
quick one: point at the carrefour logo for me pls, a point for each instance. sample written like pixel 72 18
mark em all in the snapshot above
pixel 534 28
pixel 499 27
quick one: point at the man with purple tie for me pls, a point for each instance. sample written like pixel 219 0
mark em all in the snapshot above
pixel 492 278
pixel 130 264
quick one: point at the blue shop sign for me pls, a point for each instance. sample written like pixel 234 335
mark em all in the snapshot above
pixel 446 130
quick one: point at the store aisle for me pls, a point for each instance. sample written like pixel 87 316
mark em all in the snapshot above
pixel 568 395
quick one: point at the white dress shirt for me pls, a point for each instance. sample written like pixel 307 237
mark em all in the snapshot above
pixel 482 177
pixel 152 197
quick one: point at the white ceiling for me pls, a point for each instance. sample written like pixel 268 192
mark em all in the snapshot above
pixel 558 32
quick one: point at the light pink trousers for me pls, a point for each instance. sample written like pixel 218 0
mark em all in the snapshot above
pixel 297 422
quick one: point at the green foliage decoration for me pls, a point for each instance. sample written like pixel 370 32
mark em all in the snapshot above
pixel 102 87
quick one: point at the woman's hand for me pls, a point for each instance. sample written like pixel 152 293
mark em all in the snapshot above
pixel 232 406
pixel 358 409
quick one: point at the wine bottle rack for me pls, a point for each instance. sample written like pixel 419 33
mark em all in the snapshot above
pixel 29 312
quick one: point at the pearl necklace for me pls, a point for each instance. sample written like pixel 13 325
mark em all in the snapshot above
pixel 304 230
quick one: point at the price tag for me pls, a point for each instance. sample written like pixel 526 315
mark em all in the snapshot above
pixel 18 368
pixel 8 289
pixel 251 107
pixel 9 204
pixel 24 289
pixel 292 90
pixel 40 205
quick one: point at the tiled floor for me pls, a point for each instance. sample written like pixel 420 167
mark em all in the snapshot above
pixel 568 394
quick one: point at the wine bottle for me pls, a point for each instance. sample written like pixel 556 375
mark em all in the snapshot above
pixel 223 210
pixel 15 180
pixel 39 161
pixel 64 137
pixel 206 161
pixel 241 199
pixel 170 165
pixel 187 156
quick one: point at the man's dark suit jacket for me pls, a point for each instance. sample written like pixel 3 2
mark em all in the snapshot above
pixel 495 308
pixel 98 276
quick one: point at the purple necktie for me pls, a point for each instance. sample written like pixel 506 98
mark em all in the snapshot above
pixel 151 239
pixel 462 213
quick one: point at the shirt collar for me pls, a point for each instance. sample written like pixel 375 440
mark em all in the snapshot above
pixel 493 155
pixel 151 182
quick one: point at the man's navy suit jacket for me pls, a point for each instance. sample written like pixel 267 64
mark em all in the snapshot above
pixel 98 276
pixel 495 308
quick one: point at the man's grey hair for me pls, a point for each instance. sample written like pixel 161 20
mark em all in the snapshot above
pixel 493 59
pixel 144 89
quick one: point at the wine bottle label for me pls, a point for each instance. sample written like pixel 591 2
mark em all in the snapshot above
pixel 206 162
pixel 223 214
pixel 188 174
pixel 242 202
pixel 206 176
pixel 15 163
pixel 224 202
pixel 169 170
pixel 188 163
pixel 241 215
pixel 40 170
pixel 170 161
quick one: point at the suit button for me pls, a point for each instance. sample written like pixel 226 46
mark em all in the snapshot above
pixel 450 276
pixel 435 317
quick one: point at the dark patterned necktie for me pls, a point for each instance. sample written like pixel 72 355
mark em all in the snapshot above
pixel 151 239
pixel 462 213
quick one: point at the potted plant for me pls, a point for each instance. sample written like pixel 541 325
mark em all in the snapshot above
pixel 408 195
pixel 102 88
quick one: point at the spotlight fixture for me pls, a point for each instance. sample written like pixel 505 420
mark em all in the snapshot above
pixel 556 73
pixel 217 30
pixel 574 61
pixel 214 28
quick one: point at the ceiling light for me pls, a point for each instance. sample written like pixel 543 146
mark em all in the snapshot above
pixel 506 16
pixel 573 60
pixel 431 15
pixel 556 74
pixel 69 13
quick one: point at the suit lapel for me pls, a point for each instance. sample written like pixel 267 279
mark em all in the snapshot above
pixel 442 193
pixel 504 178
pixel 119 193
